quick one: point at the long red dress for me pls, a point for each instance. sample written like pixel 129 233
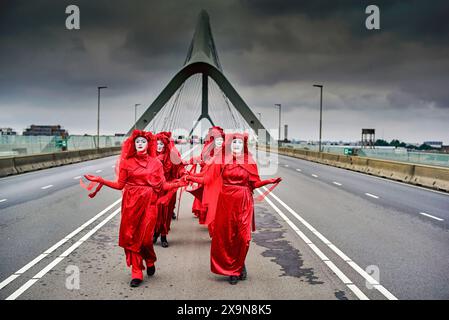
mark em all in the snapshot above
pixel 173 169
pixel 234 220
pixel 142 179
pixel 233 211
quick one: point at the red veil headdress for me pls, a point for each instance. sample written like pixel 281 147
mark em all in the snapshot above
pixel 128 151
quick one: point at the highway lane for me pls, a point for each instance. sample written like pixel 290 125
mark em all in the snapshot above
pixel 410 250
pixel 398 196
pixel 33 219
pixel 277 255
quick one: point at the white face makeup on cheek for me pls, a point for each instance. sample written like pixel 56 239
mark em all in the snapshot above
pixel 141 144
pixel 160 146
pixel 237 146
pixel 218 142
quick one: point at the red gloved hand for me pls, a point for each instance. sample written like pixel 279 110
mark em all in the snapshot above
pixel 93 178
pixel 276 180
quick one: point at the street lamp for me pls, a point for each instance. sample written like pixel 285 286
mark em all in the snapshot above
pixel 135 115
pixel 321 111
pixel 279 105
pixel 98 117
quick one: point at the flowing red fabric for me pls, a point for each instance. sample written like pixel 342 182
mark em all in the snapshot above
pixel 141 179
pixel 234 217
pixel 173 169
pixel 206 195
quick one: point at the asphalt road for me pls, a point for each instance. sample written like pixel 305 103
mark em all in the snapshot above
pixel 317 234
pixel 376 222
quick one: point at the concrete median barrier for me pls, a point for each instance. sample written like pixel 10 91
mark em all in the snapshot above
pixel 7 167
pixel 426 176
pixel 21 164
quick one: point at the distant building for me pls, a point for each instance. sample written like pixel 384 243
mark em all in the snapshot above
pixel 434 144
pixel 44 130
pixel 7 132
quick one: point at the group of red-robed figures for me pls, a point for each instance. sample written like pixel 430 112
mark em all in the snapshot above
pixel 150 170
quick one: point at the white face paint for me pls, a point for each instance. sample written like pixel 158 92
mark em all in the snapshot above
pixel 141 144
pixel 237 146
pixel 218 142
pixel 160 146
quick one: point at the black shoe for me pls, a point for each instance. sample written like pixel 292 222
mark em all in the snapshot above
pixel 155 236
pixel 244 274
pixel 164 241
pixel 174 216
pixel 151 270
pixel 233 280
pixel 135 283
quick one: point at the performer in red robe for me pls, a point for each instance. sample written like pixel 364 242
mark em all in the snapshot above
pixel 141 177
pixel 173 169
pixel 211 153
pixel 234 209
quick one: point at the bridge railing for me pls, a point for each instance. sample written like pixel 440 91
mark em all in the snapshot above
pixel 11 146
pixel 393 154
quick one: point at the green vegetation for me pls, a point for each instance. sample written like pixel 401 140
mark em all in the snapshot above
pixel 396 143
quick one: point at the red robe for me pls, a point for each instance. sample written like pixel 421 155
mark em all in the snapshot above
pixel 234 220
pixel 142 179
pixel 166 205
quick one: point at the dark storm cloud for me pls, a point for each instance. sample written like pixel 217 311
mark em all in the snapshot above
pixel 269 49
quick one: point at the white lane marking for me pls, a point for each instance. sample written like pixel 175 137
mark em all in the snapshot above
pixel 299 170
pixel 359 294
pixel 314 175
pixel 375 177
pixel 337 183
pixel 98 171
pixel 3 200
pixel 55 246
pixel 286 165
pixel 77 177
pixel 46 187
pixel 113 167
pixel 61 242
pixel 61 257
pixel 372 195
pixel 430 216
pixel 334 248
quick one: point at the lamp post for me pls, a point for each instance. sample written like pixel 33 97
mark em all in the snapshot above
pixel 321 111
pixel 279 105
pixel 98 117
pixel 135 115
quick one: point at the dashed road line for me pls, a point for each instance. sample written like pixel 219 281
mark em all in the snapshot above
pixel 371 195
pixel 430 216
pixel 47 187
pixel 3 200
pixel 337 183
pixel 314 175
pixel 98 171
pixel 77 177
pixel 299 170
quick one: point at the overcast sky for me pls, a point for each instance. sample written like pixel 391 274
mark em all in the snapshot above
pixel 395 79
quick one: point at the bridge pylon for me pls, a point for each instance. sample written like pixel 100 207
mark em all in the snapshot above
pixel 202 57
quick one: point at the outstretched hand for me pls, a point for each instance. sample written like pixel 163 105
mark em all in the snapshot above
pixel 276 180
pixel 92 178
